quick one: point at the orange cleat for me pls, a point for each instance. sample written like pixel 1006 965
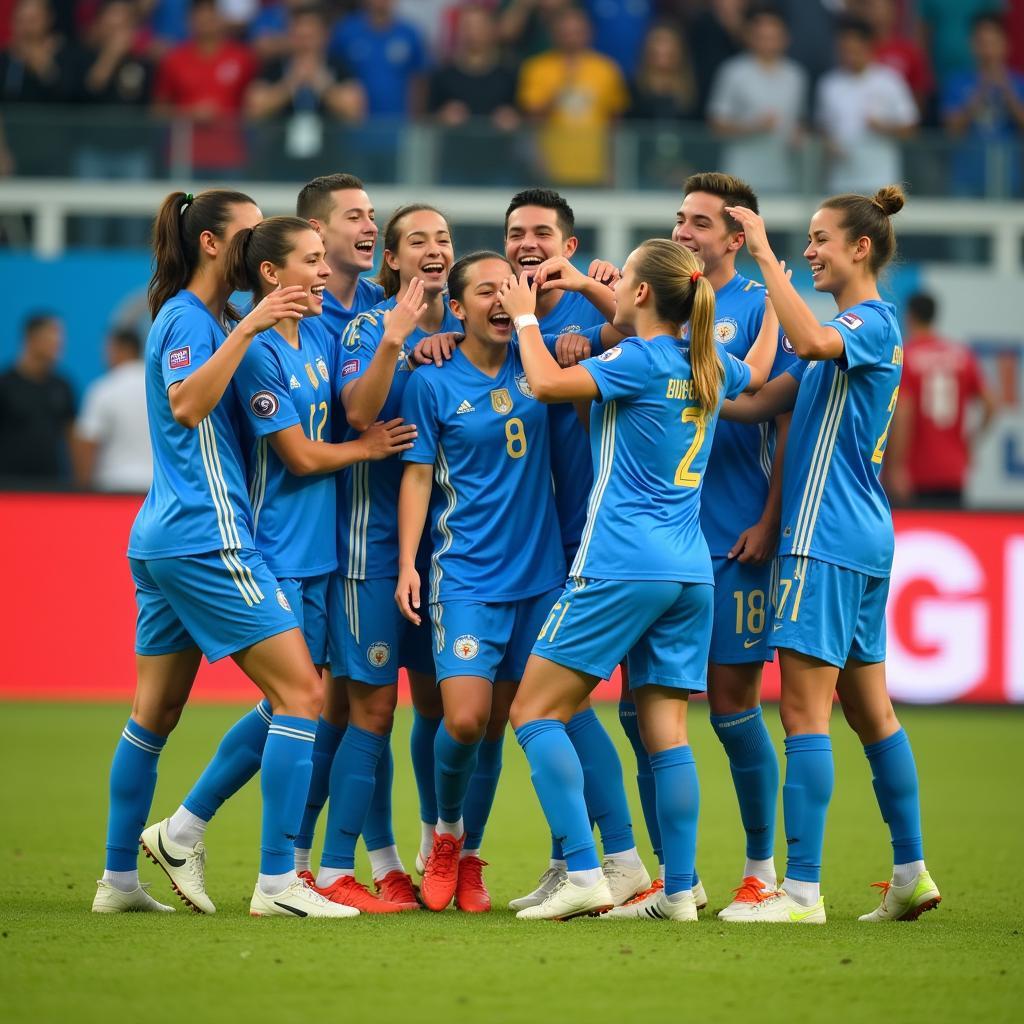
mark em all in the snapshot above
pixel 471 894
pixel 307 877
pixel 350 893
pixel 397 887
pixel 441 872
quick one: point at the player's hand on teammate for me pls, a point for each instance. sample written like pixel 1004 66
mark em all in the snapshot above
pixel 436 349
pixel 518 295
pixel 604 272
pixel 401 320
pixel 753 230
pixel 383 440
pixel 571 349
pixel 281 304
pixel 407 594
pixel 756 544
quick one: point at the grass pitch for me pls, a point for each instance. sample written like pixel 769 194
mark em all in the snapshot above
pixel 961 962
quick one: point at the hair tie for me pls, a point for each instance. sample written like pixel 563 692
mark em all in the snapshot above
pixel 694 276
pixel 185 205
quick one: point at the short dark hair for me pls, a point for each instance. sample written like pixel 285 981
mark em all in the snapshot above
pixel 459 274
pixel 850 25
pixel 731 190
pixel 756 11
pixel 990 18
pixel 922 307
pixel 314 201
pixel 549 199
pixel 127 337
pixel 36 319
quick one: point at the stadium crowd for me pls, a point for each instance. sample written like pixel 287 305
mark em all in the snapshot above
pixel 858 74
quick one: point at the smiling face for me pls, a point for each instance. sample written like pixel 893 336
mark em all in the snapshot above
pixel 833 257
pixel 424 250
pixel 533 235
pixel 349 232
pixel 479 307
pixel 306 266
pixel 701 227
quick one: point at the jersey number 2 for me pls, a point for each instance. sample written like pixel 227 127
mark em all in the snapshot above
pixel 684 478
pixel 880 444
pixel 317 433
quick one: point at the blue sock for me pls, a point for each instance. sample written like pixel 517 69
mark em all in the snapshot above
pixel 557 776
pixel 678 797
pixel 810 775
pixel 284 780
pixel 353 778
pixel 603 789
pixel 755 775
pixel 894 776
pixel 132 782
pixel 378 832
pixel 644 776
pixel 326 746
pixel 421 747
pixel 454 764
pixel 236 761
pixel 482 787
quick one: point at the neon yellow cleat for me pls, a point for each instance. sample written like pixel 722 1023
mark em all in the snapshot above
pixel 905 902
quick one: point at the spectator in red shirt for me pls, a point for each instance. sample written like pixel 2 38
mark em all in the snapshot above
pixel 205 80
pixel 896 49
pixel 930 439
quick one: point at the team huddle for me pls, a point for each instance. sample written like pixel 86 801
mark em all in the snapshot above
pixel 509 478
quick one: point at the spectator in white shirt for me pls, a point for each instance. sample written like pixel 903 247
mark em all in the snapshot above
pixel 758 100
pixel 110 445
pixel 863 109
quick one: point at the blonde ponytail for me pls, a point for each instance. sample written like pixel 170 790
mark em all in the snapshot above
pixel 708 372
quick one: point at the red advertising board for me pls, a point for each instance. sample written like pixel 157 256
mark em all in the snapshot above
pixel 955 617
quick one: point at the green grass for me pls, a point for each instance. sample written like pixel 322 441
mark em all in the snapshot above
pixel 961 962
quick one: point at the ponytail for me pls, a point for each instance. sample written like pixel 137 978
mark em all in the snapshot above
pixel 708 372
pixel 180 221
pixel 271 241
pixel 236 274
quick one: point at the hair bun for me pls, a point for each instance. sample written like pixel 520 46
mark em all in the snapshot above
pixel 889 199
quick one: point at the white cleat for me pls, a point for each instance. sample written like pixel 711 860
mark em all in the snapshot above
pixel 625 882
pixel 547 884
pixel 752 891
pixel 111 900
pixel 779 908
pixel 905 902
pixel 700 897
pixel 298 900
pixel 568 901
pixel 656 906
pixel 185 866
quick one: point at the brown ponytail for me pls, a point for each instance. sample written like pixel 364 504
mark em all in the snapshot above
pixel 387 278
pixel 869 217
pixel 176 230
pixel 271 241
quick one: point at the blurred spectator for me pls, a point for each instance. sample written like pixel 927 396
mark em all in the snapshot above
pixel 985 108
pixel 113 73
pixel 664 88
pixel 945 30
pixel 268 31
pixel 205 81
pixel 110 448
pixel 387 56
pixel 895 48
pixel 620 29
pixel 39 66
pixel 527 26
pixel 575 94
pixel 37 406
pixel 433 20
pixel 715 35
pixel 862 108
pixel 758 101
pixel 930 440
pixel 812 32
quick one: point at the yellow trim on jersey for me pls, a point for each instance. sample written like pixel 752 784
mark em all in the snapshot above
pixel 258 486
pixel 359 519
pixel 442 476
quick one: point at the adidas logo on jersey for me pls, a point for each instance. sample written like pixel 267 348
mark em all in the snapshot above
pixel 464 407
pixel 294 383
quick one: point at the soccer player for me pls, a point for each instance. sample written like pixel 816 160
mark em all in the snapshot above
pixel 201 586
pixel 498 562
pixel 641 585
pixel 376 640
pixel 836 550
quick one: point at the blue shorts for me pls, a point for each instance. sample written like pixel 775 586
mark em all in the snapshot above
pixel 743 612
pixel 662 628
pixel 308 598
pixel 829 612
pixel 491 640
pixel 219 601
pixel 370 639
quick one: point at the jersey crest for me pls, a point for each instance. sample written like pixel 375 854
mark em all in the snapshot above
pixel 726 328
pixel 524 385
pixel 466 647
pixel 378 654
pixel 321 368
pixel 501 401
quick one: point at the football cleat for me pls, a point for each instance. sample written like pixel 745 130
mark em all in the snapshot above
pixel 350 893
pixel 779 908
pixel 700 897
pixel 397 887
pixel 655 905
pixel 905 902
pixel 471 893
pixel 111 900
pixel 647 898
pixel 184 866
pixel 624 882
pixel 568 901
pixel 441 872
pixel 298 900
pixel 547 884
pixel 753 890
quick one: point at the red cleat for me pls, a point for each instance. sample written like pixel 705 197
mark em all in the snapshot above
pixel 441 872
pixel 348 891
pixel 397 887
pixel 471 894
pixel 307 877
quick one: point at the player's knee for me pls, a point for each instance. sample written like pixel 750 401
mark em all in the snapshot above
pixel 373 716
pixel 302 696
pixel 465 725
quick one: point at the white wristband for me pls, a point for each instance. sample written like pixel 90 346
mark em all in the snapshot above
pixel 526 320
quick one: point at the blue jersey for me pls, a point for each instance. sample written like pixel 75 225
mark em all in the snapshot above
pixel 833 505
pixel 494 527
pixel 571 467
pixel 368 498
pixel 278 387
pixel 337 317
pixel 197 501
pixel 740 464
pixel 650 445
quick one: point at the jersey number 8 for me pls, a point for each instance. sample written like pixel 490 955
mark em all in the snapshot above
pixel 515 438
